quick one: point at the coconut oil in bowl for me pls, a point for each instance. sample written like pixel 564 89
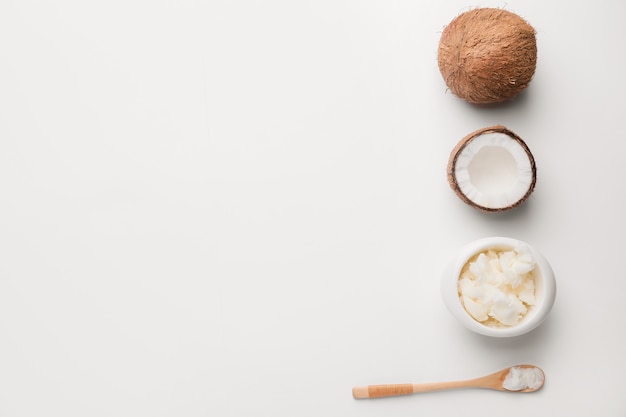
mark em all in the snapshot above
pixel 499 287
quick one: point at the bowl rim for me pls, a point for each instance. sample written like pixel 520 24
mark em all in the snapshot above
pixel 449 287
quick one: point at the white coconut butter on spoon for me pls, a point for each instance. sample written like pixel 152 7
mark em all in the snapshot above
pixel 523 378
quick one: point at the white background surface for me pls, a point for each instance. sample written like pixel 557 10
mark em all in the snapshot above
pixel 238 208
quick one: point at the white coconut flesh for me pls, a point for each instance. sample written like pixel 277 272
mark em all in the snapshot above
pixel 494 171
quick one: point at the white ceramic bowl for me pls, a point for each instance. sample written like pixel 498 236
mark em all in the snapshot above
pixel 545 288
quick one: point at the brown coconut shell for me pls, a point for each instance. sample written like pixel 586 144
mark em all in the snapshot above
pixel 487 55
pixel 466 141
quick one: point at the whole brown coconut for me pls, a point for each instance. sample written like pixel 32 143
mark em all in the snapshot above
pixel 487 55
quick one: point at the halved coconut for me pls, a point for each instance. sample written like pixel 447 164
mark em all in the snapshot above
pixel 492 169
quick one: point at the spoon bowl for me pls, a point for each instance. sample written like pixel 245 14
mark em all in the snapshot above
pixel 518 378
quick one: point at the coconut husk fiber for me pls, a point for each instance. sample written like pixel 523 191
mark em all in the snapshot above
pixel 487 55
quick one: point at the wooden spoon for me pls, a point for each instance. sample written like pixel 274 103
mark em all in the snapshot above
pixel 521 378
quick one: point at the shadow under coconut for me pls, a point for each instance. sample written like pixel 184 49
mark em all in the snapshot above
pixel 512 105
pixel 508 221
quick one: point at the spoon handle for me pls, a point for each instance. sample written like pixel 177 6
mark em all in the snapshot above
pixel 378 391
pixel 391 390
